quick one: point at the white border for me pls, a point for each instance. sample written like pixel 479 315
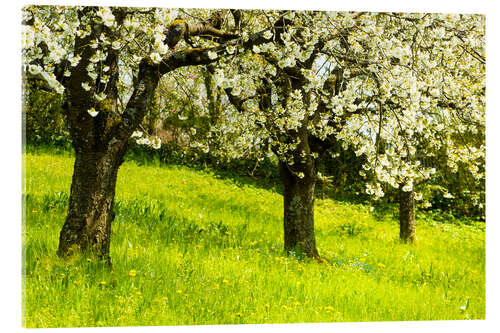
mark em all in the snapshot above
pixel 10 267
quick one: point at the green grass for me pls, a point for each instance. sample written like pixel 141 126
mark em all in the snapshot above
pixel 189 247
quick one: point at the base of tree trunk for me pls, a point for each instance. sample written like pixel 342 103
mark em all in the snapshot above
pixel 407 221
pixel 299 212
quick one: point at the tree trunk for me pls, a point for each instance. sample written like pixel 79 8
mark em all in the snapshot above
pixel 407 222
pixel 91 202
pixel 299 211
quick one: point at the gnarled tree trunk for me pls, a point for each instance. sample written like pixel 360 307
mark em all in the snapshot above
pixel 407 222
pixel 299 211
pixel 90 212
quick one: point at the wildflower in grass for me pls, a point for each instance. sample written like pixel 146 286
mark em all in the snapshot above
pixel 179 291
pixel 138 293
pixel 329 308
pixel 164 298
pixel 267 306
pixel 284 307
pixel 102 283
pixel 296 303
pixel 380 265
pixel 132 272
pixel 216 286
pixel 225 281
pixel 239 314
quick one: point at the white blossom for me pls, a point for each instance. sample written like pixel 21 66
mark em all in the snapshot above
pixel 212 55
pixel 155 57
pixel 92 112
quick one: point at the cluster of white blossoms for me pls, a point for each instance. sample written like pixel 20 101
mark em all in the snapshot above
pixel 393 86
pixel 55 28
pixel 411 82
pixel 151 141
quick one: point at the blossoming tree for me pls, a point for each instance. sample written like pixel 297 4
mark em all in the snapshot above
pixel 106 62
pixel 411 83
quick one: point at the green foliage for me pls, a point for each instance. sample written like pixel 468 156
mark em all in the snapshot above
pixel 44 121
pixel 265 170
pixel 343 167
pixel 196 247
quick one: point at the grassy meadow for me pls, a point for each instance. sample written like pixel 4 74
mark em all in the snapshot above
pixel 191 247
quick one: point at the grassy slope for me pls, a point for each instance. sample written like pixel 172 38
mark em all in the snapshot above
pixel 191 248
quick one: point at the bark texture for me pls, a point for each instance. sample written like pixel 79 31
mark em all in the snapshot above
pixel 407 222
pixel 298 212
pixel 90 212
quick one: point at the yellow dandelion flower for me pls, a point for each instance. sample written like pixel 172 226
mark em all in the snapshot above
pixel 164 298
pixel 138 293
pixel 329 308
pixel 267 306
pixel 179 291
pixel 132 272
pixel 102 283
pixel 239 314
pixel 225 281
